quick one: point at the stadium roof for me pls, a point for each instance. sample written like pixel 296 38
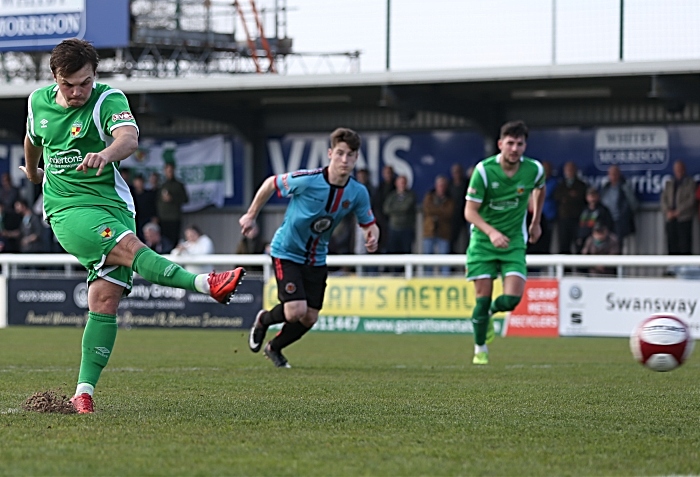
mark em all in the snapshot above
pixel 483 95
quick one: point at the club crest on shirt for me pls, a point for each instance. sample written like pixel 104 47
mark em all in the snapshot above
pixel 290 287
pixel 76 129
pixel 105 232
pixel 520 189
pixel 346 204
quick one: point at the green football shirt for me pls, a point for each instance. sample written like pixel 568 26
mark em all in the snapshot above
pixel 504 199
pixel 67 135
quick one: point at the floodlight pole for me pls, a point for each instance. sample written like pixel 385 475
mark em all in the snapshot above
pixel 388 34
pixel 622 29
pixel 554 32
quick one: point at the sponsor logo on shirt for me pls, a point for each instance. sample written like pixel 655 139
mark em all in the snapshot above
pixel 67 158
pixel 123 116
pixel 504 204
pixel 322 224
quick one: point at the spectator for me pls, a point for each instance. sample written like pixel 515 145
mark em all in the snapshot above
pixel 549 209
pixel 622 203
pixel 153 181
pixel 438 209
pixel 594 213
pixel 172 195
pixel 362 176
pixel 386 187
pixel 400 209
pixel 195 243
pixel 601 242
pixel 549 215
pixel 358 241
pixel 678 206
pixel 154 240
pixel 145 204
pixel 31 232
pixel 50 242
pixel 571 197
pixel 2 227
pixel 8 192
pixel 11 222
pixel 459 235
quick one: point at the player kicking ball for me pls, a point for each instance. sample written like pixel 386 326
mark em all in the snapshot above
pixel 497 202
pixel 319 200
pixel 84 129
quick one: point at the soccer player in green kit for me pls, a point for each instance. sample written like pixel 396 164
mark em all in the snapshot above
pixel 83 129
pixel 497 201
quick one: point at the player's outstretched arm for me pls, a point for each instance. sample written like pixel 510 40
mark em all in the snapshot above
pixel 471 213
pixel 32 155
pixel 126 141
pixel 247 220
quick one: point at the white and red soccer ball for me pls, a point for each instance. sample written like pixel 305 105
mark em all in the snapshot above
pixel 661 342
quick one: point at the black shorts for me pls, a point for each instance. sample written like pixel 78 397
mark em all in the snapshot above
pixel 300 282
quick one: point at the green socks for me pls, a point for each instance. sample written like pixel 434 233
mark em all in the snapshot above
pixel 480 319
pixel 161 271
pixel 98 342
pixel 505 303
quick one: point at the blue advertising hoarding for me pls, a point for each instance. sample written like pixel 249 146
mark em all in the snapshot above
pixel 420 156
pixel 645 154
pixel 27 25
pixel 64 302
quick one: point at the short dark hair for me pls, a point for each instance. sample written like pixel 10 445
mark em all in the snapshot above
pixel 195 228
pixel 71 55
pixel 514 129
pixel 348 136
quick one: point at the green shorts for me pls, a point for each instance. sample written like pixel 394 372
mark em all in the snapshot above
pixel 489 264
pixel 89 234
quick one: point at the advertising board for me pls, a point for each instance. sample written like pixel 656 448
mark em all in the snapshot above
pixel 28 25
pixel 63 302
pixel 613 307
pixel 396 305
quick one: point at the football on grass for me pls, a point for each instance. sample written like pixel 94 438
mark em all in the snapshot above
pixel 661 342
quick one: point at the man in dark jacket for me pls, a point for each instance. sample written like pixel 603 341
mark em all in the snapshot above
pixel 678 207
pixel 622 203
pixel 172 195
pixel 571 197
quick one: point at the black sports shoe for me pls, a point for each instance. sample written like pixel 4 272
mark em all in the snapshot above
pixel 276 357
pixel 257 333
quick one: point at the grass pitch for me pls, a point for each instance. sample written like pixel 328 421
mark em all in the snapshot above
pixel 177 402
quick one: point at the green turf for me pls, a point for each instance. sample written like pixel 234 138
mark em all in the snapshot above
pixel 177 402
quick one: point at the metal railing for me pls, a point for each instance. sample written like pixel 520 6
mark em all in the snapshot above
pixel 413 264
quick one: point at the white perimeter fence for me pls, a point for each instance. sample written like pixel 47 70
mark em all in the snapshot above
pixel 555 265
